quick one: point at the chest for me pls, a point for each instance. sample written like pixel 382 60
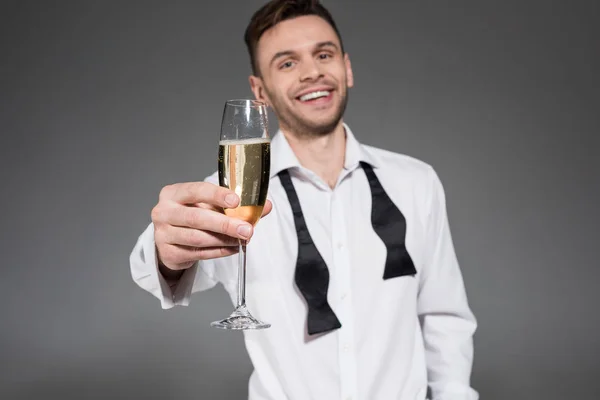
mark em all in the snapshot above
pixel 340 225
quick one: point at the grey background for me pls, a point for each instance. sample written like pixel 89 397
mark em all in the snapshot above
pixel 103 103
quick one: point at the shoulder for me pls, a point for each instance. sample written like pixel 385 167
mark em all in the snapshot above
pixel 398 163
pixel 404 174
pixel 212 178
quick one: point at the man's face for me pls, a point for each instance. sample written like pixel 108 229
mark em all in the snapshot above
pixel 304 75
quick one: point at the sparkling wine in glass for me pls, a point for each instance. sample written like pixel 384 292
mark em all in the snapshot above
pixel 244 166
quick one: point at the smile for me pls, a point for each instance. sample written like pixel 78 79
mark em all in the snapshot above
pixel 314 95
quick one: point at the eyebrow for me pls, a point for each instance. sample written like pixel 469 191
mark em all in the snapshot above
pixel 318 46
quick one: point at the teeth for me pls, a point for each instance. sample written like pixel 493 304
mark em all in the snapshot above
pixel 314 95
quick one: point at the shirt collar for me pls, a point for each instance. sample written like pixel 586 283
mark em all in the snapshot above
pixel 283 157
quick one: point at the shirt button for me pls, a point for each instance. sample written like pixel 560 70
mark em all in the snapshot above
pixel 346 347
pixel 340 246
pixel 343 296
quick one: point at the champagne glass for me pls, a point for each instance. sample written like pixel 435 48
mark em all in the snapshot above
pixel 244 167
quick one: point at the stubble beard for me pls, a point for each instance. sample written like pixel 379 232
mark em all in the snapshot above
pixel 301 127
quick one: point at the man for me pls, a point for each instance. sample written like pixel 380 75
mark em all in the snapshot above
pixel 395 319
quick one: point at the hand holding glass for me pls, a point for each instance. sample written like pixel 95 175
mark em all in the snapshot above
pixel 244 167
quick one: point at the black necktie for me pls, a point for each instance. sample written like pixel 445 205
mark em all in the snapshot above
pixel 312 275
pixel 390 225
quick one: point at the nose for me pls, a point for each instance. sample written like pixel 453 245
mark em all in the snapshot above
pixel 311 70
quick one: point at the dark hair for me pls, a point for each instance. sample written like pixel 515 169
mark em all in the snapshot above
pixel 276 11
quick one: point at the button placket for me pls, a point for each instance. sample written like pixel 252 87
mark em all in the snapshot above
pixel 341 259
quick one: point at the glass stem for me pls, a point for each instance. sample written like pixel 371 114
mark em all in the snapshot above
pixel 241 300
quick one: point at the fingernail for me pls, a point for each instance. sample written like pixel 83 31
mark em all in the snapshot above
pixel 231 199
pixel 244 230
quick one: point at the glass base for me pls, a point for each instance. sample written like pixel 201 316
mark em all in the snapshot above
pixel 240 319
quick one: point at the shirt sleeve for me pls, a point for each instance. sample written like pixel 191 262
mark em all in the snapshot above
pixel 447 322
pixel 145 273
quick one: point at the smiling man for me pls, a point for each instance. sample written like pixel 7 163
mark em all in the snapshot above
pixel 354 266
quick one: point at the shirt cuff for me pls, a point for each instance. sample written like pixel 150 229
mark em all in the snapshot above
pixel 145 272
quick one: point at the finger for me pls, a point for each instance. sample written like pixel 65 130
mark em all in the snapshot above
pixel 203 219
pixel 194 237
pixel 209 207
pixel 267 209
pixel 208 253
pixel 185 254
pixel 201 192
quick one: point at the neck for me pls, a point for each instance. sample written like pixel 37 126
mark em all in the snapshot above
pixel 323 155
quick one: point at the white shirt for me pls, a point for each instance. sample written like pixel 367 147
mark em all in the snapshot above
pixel 398 335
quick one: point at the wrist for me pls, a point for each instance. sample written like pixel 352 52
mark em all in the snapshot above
pixel 172 276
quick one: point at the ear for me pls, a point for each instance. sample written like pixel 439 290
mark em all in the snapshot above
pixel 349 74
pixel 257 86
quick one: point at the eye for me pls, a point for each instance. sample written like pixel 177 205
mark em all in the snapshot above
pixel 324 56
pixel 287 64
